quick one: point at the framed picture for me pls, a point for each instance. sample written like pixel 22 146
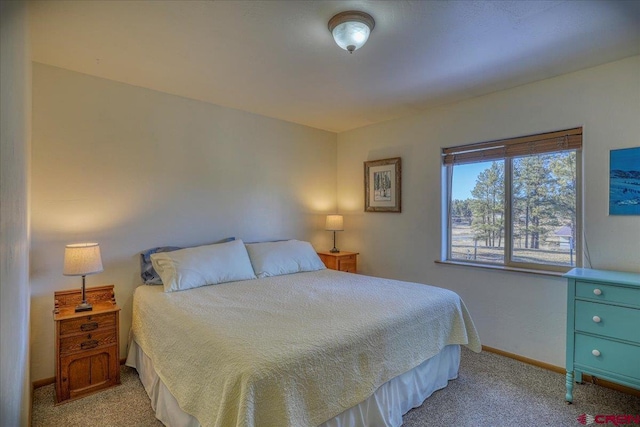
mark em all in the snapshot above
pixel 382 185
pixel 624 182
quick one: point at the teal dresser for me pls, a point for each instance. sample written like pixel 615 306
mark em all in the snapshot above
pixel 603 327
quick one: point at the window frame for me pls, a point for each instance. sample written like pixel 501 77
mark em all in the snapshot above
pixel 474 150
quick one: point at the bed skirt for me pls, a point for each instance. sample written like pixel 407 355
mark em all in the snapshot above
pixel 382 409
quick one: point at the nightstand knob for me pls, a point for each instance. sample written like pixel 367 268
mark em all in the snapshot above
pixel 597 291
pixel 596 319
pixel 596 353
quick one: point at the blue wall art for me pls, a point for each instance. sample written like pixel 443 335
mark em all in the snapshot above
pixel 624 182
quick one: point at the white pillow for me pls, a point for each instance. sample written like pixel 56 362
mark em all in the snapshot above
pixel 203 265
pixel 277 258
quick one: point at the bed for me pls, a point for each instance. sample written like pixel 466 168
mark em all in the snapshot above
pixel 307 348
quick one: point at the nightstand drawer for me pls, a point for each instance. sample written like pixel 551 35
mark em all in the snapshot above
pixel 348 258
pixel 608 293
pixel 347 267
pixel 347 263
pixel 610 356
pixel 87 323
pixel 608 320
pixel 87 341
pixel 340 261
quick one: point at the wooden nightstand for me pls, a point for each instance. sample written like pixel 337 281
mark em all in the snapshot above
pixel 341 261
pixel 87 343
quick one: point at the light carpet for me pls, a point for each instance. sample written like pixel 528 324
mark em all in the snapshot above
pixel 491 390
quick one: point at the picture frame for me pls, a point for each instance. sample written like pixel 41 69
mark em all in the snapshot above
pixel 383 185
pixel 624 181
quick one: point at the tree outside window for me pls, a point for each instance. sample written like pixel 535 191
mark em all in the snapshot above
pixel 519 210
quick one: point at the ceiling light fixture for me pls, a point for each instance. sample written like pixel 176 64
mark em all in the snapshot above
pixel 351 29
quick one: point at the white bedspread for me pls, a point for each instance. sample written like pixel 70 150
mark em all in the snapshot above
pixel 292 350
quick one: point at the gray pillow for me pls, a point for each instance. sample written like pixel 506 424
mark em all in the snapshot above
pixel 148 273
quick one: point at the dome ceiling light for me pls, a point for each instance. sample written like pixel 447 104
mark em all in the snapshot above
pixel 351 29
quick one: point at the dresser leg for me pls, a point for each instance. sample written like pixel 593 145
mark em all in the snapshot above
pixel 569 381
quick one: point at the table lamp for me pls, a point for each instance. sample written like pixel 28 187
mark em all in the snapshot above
pixel 81 259
pixel 334 223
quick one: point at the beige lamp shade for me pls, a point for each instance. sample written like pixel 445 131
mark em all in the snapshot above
pixel 334 223
pixel 81 259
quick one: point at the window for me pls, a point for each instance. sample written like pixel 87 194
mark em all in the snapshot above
pixel 515 202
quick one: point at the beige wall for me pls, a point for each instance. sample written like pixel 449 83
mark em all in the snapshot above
pixel 15 119
pixel 132 168
pixel 520 313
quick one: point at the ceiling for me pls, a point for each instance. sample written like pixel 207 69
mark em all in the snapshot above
pixel 278 59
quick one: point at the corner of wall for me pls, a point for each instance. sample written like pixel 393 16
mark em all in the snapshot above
pixel 15 113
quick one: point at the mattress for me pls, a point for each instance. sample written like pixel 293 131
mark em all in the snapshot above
pixel 293 350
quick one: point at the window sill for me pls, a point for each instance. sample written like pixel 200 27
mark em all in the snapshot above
pixel 503 268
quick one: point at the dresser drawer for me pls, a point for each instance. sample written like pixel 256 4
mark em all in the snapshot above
pixel 87 341
pixel 621 358
pixel 87 323
pixel 608 320
pixel 608 293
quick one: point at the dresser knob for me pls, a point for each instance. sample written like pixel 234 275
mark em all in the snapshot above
pixel 596 319
pixel 597 291
pixel 596 353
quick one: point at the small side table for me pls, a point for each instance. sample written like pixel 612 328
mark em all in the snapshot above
pixel 87 343
pixel 340 261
